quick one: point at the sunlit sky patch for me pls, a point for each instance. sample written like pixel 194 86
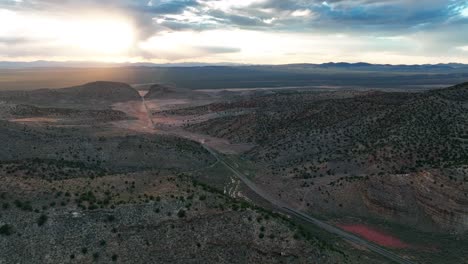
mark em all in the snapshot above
pixel 239 31
pixel 464 12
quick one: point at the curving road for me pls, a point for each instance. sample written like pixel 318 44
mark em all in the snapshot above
pixel 291 211
pixel 280 205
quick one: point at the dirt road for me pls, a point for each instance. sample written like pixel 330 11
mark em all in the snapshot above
pixel 291 211
pixel 280 205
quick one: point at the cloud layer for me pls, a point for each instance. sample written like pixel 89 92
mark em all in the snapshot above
pixel 393 31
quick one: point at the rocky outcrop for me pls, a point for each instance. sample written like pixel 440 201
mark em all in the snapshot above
pixel 430 198
pixel 443 199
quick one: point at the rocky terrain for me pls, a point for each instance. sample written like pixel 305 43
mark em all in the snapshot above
pixel 120 175
pixel 400 156
pixel 77 187
pixel 120 152
pixel 144 217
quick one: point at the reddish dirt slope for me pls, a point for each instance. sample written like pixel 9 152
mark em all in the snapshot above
pixel 374 235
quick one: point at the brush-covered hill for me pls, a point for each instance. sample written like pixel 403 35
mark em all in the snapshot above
pixel 151 217
pixel 161 91
pixel 305 139
pixel 412 130
pixel 157 91
pixel 27 147
pixel 96 95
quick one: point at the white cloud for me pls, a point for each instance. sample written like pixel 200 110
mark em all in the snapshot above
pixel 226 5
pixel 301 13
pixel 464 12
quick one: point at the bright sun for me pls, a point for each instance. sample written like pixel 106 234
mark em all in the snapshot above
pixel 87 36
pixel 102 36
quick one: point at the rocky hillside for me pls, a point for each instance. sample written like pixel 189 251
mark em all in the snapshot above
pixel 144 218
pixel 113 152
pixel 305 139
pixel 436 197
pixel 160 91
pixel 22 111
pixel 92 95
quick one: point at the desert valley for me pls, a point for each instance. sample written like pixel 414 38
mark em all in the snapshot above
pixel 161 173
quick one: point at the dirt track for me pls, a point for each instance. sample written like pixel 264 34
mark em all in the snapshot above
pixel 144 115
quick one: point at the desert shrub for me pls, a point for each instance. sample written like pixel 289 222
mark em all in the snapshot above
pixel 6 230
pixel 42 220
pixel 181 213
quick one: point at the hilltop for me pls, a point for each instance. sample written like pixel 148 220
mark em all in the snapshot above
pixel 160 91
pixel 91 95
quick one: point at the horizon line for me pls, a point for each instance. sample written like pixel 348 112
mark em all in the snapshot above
pixel 196 64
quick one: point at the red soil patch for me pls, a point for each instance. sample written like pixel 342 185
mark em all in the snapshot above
pixel 374 235
pixel 35 120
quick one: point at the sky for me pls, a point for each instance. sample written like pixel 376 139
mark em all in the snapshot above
pixel 235 31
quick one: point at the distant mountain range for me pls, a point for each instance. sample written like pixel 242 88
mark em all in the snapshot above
pixel 332 65
pixel 369 66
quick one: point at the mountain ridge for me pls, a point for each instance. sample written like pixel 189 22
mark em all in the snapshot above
pixel 338 64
